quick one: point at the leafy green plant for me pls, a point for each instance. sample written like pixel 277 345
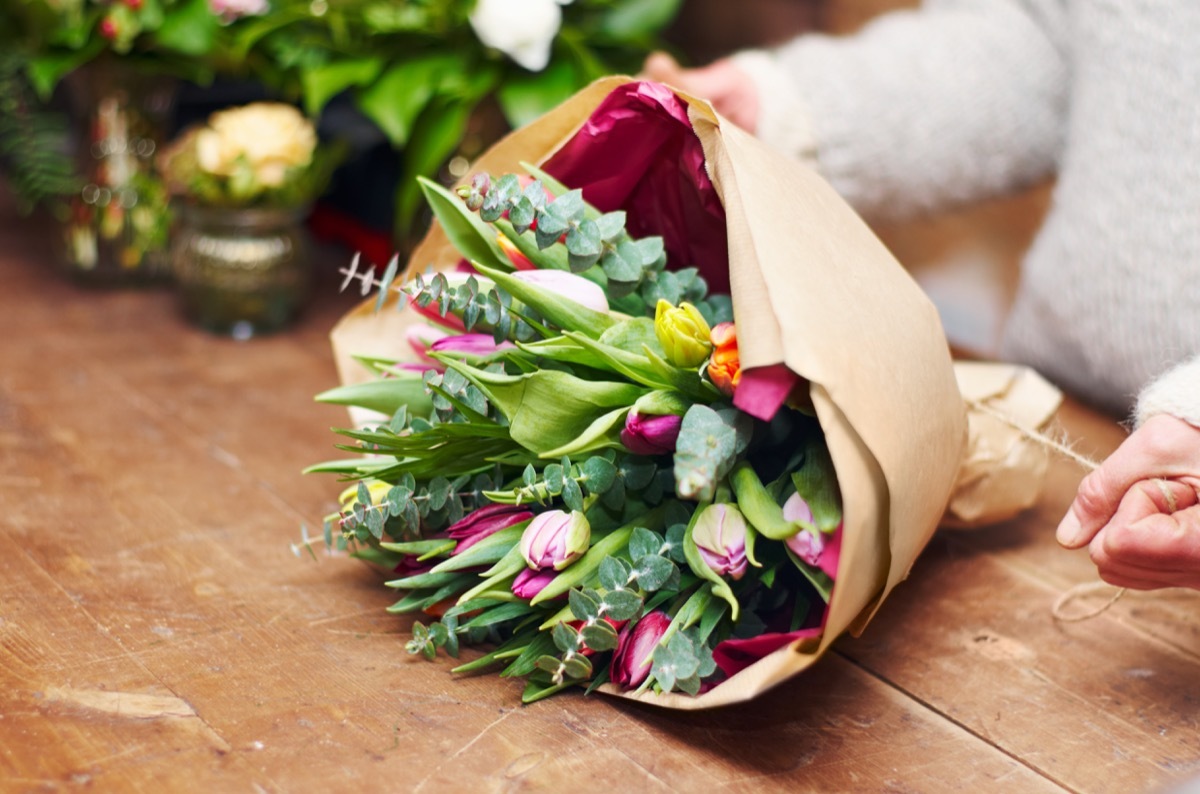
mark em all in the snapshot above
pixel 33 142
pixel 419 69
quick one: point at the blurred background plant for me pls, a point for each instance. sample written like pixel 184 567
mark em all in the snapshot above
pixel 243 182
pixel 434 78
pixel 264 154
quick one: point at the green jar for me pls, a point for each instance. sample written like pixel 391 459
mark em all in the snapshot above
pixel 241 272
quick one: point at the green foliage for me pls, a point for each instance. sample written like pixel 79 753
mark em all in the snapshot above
pixel 33 142
pixel 709 444
pixel 417 69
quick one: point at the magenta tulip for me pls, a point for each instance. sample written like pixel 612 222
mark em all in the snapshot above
pixel 647 434
pixel 631 660
pixel 487 520
pixel 530 582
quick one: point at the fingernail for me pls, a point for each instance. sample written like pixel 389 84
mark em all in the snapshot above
pixel 1069 530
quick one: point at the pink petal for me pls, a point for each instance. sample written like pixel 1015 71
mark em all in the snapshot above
pixel 763 390
pixel 638 152
pixel 733 656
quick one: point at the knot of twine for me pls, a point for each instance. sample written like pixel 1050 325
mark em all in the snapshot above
pixel 1059 610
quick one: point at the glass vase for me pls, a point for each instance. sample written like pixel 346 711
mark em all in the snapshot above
pixel 118 225
pixel 241 272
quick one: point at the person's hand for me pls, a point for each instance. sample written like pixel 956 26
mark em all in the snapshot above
pixel 1139 512
pixel 728 88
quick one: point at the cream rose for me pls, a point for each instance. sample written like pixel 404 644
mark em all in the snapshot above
pixel 270 137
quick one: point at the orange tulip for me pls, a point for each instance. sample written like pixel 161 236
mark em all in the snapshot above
pixel 724 367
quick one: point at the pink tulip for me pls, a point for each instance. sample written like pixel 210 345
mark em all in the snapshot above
pixel 568 285
pixel 469 344
pixel 485 521
pixel 631 660
pixel 530 582
pixel 720 537
pixel 812 546
pixel 420 337
pixel 647 434
pixel 555 539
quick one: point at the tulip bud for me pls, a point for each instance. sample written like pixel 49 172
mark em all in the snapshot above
pixel 631 659
pixel 568 285
pixel 720 537
pixel 683 333
pixel 555 539
pixel 810 544
pixel 646 434
pixel 485 521
pixel 724 367
pixel 518 259
pixel 530 582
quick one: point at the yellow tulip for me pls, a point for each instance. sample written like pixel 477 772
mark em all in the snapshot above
pixel 683 333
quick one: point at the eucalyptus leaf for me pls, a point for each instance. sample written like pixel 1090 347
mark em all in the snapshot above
pixel 707 448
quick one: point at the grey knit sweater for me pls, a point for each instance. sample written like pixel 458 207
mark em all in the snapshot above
pixel 965 99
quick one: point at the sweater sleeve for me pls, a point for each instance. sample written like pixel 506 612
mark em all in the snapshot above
pixel 923 109
pixel 1175 392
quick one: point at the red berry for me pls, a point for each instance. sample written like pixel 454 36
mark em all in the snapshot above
pixel 108 28
pixel 134 5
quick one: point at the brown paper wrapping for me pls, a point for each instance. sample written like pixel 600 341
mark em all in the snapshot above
pixel 812 288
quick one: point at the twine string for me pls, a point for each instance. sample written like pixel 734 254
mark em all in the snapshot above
pixel 1059 610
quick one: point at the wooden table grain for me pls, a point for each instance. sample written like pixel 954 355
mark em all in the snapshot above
pixel 157 633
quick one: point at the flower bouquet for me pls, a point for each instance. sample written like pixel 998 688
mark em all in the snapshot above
pixel 598 464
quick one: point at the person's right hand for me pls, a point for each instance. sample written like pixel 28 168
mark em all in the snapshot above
pixel 727 87
pixel 1139 513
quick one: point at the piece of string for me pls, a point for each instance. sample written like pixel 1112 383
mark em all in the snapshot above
pixel 1059 610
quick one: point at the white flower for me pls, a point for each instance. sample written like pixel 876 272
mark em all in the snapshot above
pixel 229 10
pixel 521 29
pixel 268 137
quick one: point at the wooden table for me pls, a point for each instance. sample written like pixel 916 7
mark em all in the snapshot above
pixel 158 633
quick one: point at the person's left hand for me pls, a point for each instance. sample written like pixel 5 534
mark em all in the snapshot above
pixel 723 83
pixel 1139 512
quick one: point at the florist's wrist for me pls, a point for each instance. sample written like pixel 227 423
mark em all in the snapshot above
pixel 1176 392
